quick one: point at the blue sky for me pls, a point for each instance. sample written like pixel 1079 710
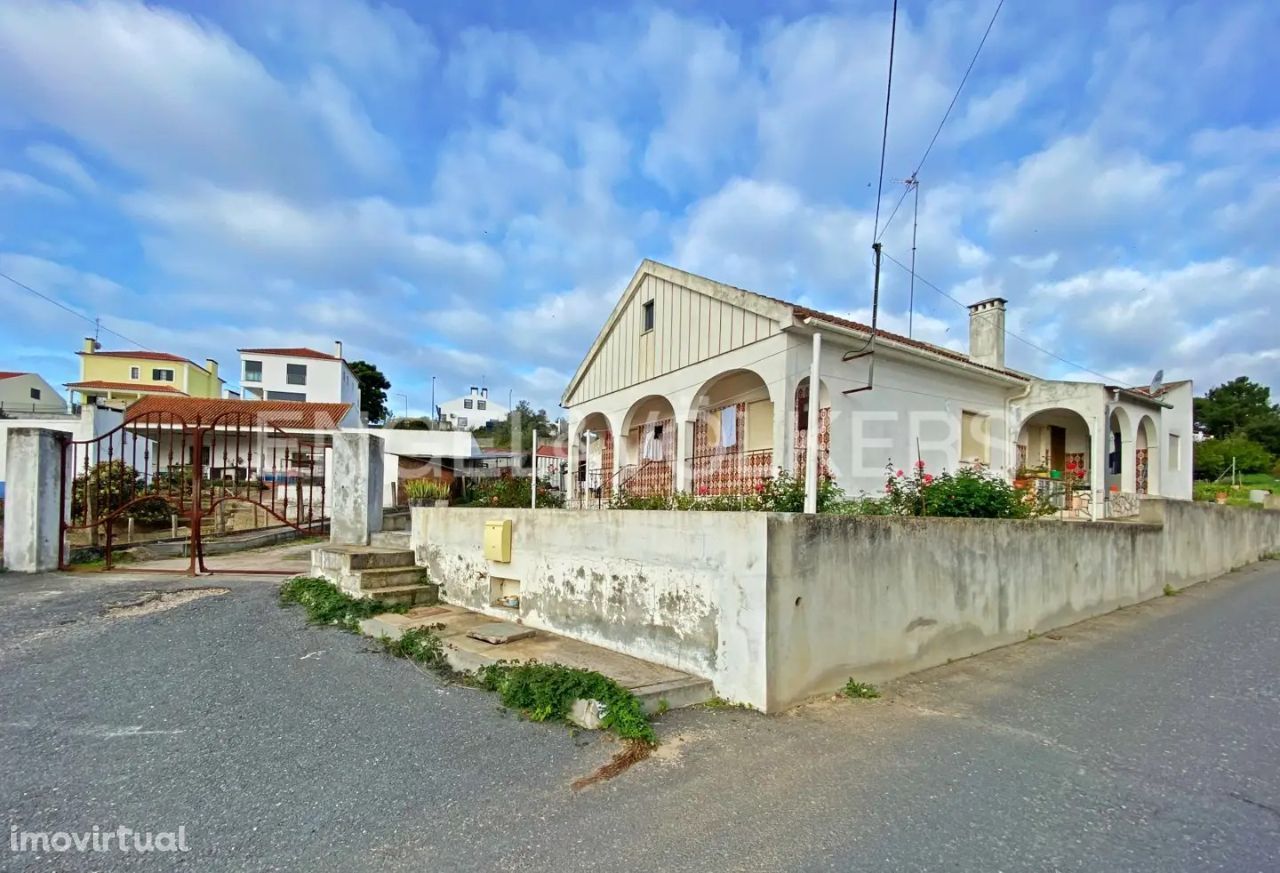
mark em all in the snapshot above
pixel 462 190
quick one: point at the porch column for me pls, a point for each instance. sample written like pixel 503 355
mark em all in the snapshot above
pixel 1128 462
pixel 571 487
pixel 783 454
pixel 684 455
pixel 33 499
pixel 1099 433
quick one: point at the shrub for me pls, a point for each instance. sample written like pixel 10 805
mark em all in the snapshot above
pixel 510 492
pixel 782 492
pixel 546 692
pixel 967 493
pixel 109 485
pixel 426 489
pixel 325 604
pixel 860 690
pixel 1213 457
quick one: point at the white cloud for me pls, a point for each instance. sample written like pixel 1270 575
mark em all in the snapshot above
pixel 64 163
pixel 23 185
pixel 349 127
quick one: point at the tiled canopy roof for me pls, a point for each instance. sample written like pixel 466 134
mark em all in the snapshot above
pixel 284 414
pixel 291 353
pixel 135 387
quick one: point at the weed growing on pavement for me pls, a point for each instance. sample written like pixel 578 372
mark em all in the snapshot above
pixel 860 690
pixel 325 604
pixel 721 703
pixel 546 692
pixel 1169 590
pixel 420 645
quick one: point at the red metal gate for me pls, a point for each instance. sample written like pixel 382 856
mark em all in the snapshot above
pixel 163 481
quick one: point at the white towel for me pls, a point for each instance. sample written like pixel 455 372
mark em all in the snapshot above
pixel 652 450
pixel 729 426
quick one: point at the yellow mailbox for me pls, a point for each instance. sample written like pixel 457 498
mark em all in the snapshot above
pixel 497 540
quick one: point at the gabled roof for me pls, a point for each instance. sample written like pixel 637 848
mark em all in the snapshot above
pixel 143 355
pixel 787 314
pixel 284 414
pixel 134 387
pixel 300 352
pixel 7 374
pixel 553 451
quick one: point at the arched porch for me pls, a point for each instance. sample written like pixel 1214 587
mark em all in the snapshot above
pixel 802 427
pixel 733 435
pixel 1146 465
pixel 1054 456
pixel 649 448
pixel 591 458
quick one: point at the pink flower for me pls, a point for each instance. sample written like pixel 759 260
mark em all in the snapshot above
pixel 899 474
pixel 888 487
pixel 927 478
pixel 702 489
pixel 920 464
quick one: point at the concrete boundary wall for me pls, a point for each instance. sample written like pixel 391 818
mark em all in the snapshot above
pixel 777 608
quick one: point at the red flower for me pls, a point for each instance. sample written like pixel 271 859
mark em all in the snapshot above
pixel 702 489
pixel 899 474
pixel 928 478
pixel 1071 465
pixel 888 486
pixel 920 464
pixel 759 487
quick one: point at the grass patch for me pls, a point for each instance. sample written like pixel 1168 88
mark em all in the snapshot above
pixel 325 604
pixel 1170 591
pixel 860 690
pixel 420 645
pixel 721 703
pixel 546 692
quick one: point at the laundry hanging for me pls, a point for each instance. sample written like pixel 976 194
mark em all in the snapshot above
pixel 728 426
pixel 652 450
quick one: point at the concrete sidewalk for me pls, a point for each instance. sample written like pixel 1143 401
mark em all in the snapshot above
pixel 651 683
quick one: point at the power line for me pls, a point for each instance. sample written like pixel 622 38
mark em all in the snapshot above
pixel 945 116
pixel 884 136
pixel 1008 332
pixel 66 308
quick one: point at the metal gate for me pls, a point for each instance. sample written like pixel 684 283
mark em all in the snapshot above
pixel 179 486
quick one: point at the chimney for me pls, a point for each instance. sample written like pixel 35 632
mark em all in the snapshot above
pixel 986 332
pixel 337 349
pixel 90 345
pixel 212 366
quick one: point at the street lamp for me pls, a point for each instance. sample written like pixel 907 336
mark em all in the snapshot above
pixel 406 404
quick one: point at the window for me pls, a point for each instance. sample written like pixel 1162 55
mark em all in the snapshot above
pixel 253 371
pixel 466 404
pixel 1175 452
pixel 482 404
pixel 35 393
pixel 648 316
pixel 158 375
pixel 296 374
pixel 462 421
pixel 135 373
pixel 286 395
pixel 975 438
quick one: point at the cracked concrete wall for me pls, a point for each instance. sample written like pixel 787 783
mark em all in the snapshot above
pixel 875 598
pixel 683 589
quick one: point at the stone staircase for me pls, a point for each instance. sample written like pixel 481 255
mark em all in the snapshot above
pixel 383 572
pixel 393 539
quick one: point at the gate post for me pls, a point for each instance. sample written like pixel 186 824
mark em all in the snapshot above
pixel 33 499
pixel 356 488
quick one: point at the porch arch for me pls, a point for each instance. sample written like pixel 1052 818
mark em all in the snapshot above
pixel 649 447
pixel 1146 455
pixel 593 461
pixel 733 417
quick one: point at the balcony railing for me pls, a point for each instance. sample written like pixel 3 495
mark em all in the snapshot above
pixel 731 472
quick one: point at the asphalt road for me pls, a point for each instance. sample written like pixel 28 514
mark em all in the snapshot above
pixel 1145 740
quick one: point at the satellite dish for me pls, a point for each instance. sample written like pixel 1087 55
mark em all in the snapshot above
pixel 1157 382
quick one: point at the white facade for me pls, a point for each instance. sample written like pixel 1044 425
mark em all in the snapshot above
pixel 28 393
pixel 698 386
pixel 90 423
pixel 473 410
pixel 420 446
pixel 298 374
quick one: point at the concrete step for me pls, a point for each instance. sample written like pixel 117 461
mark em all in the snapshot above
pixel 347 559
pixel 388 577
pixel 391 539
pixel 407 595
pixel 678 693
pixel 395 520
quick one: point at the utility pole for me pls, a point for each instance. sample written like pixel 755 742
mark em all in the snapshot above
pixel 915 221
pixel 433 398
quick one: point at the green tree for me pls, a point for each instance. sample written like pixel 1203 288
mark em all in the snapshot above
pixel 521 422
pixel 373 391
pixel 1213 457
pixel 1233 406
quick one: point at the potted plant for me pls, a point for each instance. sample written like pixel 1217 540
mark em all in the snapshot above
pixel 427 492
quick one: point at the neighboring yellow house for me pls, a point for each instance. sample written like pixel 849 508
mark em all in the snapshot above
pixel 119 378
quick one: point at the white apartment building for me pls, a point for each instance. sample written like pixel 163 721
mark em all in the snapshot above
pixel 28 393
pixel 473 410
pixel 298 374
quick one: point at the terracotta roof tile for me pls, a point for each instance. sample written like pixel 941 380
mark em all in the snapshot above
pixel 146 356
pixel 291 353
pixel 138 387
pixel 553 451
pixel 284 414
pixel 5 374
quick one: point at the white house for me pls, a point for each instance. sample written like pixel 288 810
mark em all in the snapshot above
pixel 299 374
pixel 28 393
pixel 694 385
pixel 474 410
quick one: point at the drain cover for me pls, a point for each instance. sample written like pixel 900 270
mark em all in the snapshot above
pixel 499 632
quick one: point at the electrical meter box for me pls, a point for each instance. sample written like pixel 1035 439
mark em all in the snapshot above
pixel 497 540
